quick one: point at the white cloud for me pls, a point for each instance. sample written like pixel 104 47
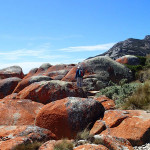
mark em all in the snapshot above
pixel 88 48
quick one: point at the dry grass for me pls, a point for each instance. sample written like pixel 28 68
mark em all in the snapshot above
pixel 64 145
pixel 140 99
pixel 84 135
pixel 29 146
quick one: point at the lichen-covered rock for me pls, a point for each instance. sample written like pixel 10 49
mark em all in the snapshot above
pixel 26 82
pixel 98 127
pixel 68 116
pixel 128 59
pixel 12 136
pixel 133 125
pixel 31 73
pixel 48 91
pixel 8 85
pixel 106 102
pixel 13 71
pixel 18 112
pixel 113 143
pixel 91 147
pixel 57 72
pixel 99 71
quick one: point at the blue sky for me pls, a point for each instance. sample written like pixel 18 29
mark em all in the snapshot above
pixel 33 32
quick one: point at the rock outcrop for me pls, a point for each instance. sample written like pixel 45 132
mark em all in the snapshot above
pixel 66 117
pixel 13 71
pixel 99 71
pixel 48 91
pixel 27 81
pixel 133 125
pixel 8 85
pixel 130 46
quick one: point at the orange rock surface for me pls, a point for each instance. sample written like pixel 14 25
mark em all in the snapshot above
pixel 91 147
pixel 68 116
pixel 18 112
pixel 48 91
pixel 132 125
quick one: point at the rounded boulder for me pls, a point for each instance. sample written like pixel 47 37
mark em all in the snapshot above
pixel 67 117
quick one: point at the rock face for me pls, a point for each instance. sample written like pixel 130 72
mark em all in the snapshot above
pixel 11 136
pixel 26 82
pixel 8 85
pixel 68 116
pixel 48 91
pixel 133 125
pixel 13 71
pixel 99 71
pixel 129 47
pixel 18 112
pixel 128 59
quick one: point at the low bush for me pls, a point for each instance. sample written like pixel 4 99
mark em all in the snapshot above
pixel 140 99
pixel 64 145
pixel 118 92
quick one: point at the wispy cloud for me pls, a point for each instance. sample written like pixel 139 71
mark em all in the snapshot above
pixel 34 38
pixel 88 48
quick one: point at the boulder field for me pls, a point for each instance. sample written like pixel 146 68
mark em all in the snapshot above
pixel 46 105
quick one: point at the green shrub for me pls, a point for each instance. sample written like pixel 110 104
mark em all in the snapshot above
pixel 140 99
pixel 134 68
pixel 29 146
pixel 142 60
pixel 64 145
pixel 118 92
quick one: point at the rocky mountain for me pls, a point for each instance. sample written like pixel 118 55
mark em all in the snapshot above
pixel 130 46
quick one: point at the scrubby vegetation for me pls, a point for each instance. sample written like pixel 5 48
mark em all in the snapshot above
pixel 119 92
pixel 64 145
pixel 140 99
pixel 30 146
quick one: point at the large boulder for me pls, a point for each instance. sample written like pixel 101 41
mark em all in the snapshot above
pixel 99 71
pixel 27 81
pixel 8 85
pixel 68 116
pixel 48 91
pixel 12 136
pixel 18 112
pixel 128 59
pixel 13 71
pixel 133 125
